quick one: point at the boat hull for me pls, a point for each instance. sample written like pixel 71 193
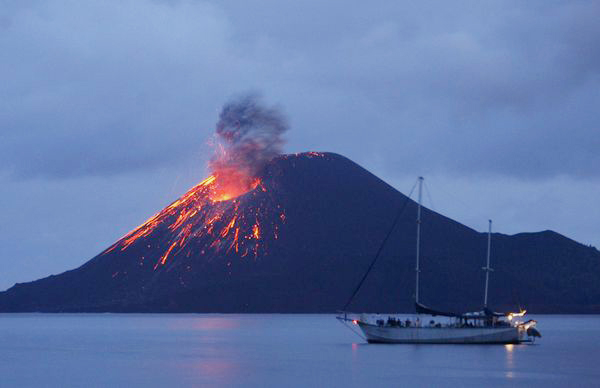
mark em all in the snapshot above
pixel 443 335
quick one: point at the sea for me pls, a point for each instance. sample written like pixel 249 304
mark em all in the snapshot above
pixel 277 350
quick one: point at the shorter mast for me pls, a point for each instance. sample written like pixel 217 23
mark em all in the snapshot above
pixel 487 268
pixel 417 270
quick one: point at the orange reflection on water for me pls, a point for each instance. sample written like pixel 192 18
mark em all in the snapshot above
pixel 509 360
pixel 216 368
pixel 213 361
pixel 206 323
pixel 215 323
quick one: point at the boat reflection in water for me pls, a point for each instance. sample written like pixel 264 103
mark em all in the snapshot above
pixel 479 327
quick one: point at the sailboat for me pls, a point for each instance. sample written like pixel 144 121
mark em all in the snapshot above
pixel 479 327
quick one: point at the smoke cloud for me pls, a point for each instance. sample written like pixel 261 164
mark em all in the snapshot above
pixel 248 135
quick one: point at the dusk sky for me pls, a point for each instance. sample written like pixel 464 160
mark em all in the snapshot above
pixel 107 108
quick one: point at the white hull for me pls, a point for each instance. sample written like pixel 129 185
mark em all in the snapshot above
pixel 442 335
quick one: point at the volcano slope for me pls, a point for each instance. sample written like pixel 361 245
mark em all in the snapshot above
pixel 300 241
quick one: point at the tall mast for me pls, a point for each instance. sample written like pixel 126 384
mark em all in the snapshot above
pixel 417 270
pixel 487 268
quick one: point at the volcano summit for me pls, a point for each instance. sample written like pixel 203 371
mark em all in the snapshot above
pixel 299 240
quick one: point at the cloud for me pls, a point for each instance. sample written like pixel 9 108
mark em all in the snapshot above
pixel 503 91
pixel 101 88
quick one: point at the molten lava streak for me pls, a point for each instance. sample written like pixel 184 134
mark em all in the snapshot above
pixel 215 214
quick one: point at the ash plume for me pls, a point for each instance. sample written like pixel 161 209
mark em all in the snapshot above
pixel 248 135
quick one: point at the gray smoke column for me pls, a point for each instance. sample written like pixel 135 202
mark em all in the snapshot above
pixel 248 135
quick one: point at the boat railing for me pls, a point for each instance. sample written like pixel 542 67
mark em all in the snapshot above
pixel 424 322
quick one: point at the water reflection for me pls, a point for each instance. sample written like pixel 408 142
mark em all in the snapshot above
pixel 509 349
pixel 206 323
pixel 214 358
pixel 215 323
pixel 223 370
pixel 275 350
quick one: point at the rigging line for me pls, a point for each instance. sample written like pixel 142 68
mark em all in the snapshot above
pixel 381 247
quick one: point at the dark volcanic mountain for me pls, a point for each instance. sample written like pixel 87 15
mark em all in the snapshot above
pixel 300 241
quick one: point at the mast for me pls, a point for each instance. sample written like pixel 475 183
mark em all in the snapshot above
pixel 417 270
pixel 487 268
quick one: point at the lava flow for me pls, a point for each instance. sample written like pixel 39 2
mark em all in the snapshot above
pixel 229 210
pixel 200 222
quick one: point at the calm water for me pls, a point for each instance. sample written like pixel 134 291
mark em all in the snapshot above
pixel 276 350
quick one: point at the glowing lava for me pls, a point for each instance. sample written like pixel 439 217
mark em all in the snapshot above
pixel 209 218
pixel 231 184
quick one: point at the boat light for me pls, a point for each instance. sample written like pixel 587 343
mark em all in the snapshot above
pixel 519 314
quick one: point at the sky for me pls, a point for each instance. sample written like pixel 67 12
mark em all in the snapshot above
pixel 107 108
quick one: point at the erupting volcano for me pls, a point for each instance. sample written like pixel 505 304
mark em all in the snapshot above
pixel 228 210
pixel 266 232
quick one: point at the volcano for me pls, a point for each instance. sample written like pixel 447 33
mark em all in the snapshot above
pixel 300 240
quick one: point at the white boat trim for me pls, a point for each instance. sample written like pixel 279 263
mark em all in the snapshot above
pixel 442 335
